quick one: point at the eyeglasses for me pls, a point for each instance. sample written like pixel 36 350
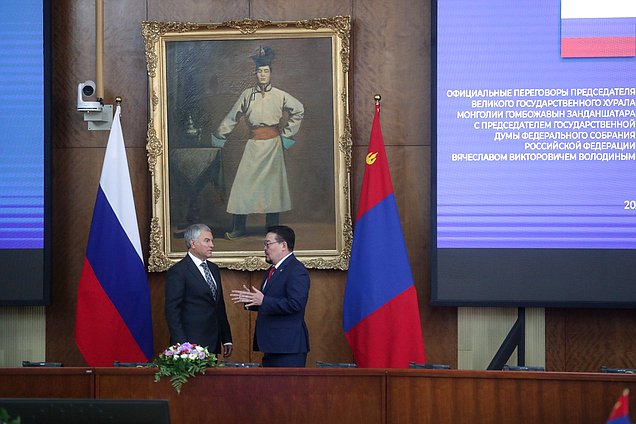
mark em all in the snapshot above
pixel 266 244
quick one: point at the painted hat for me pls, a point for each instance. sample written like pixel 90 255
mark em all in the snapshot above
pixel 263 56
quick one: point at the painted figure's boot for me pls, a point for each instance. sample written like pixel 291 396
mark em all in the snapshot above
pixel 271 219
pixel 238 227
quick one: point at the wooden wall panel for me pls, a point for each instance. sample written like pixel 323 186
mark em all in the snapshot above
pixel 324 318
pixel 55 382
pixel 555 358
pixel 258 395
pixel 125 72
pixel 197 10
pixel 585 340
pixel 279 10
pixel 160 333
pixel 501 397
pixel 392 57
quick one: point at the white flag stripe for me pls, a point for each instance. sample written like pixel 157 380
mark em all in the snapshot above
pixel 116 185
pixel 598 9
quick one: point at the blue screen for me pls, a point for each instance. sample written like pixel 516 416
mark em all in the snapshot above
pixel 534 191
pixel 21 125
pixel 534 149
pixel 25 152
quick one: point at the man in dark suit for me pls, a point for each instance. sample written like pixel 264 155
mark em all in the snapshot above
pixel 281 332
pixel 195 309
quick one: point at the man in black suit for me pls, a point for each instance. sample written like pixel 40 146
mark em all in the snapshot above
pixel 281 332
pixel 195 309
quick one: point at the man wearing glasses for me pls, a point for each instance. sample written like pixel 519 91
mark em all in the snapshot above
pixel 281 332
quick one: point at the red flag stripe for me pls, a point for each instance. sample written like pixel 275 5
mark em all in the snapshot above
pixel 598 47
pixel 396 325
pixel 376 184
pixel 116 341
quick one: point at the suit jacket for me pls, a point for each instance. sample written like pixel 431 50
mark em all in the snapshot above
pixel 191 312
pixel 280 323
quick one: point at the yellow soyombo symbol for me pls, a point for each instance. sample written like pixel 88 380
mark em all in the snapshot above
pixel 371 157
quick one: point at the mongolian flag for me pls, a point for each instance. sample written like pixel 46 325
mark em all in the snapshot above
pixel 592 28
pixel 113 319
pixel 381 314
pixel 620 413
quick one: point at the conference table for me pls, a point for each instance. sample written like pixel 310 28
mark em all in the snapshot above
pixel 338 395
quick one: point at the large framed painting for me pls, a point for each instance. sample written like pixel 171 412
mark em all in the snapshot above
pixel 249 127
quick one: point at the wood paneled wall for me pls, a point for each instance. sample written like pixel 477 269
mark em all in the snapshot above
pixel 391 55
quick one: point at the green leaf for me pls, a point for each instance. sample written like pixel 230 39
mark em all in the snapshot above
pixel 5 418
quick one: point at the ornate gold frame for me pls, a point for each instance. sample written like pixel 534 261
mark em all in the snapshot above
pixel 159 39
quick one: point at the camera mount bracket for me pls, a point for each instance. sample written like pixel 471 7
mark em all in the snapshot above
pixel 99 120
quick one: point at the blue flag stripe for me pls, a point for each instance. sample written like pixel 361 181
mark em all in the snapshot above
pixel 379 255
pixel 120 271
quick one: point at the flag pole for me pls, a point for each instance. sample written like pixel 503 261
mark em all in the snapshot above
pixel 377 99
pixel 118 103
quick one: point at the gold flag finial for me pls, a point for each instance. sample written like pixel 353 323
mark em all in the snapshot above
pixel 118 103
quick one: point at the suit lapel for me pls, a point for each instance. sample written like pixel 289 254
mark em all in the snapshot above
pixel 264 286
pixel 278 273
pixel 198 276
pixel 217 280
pixel 271 279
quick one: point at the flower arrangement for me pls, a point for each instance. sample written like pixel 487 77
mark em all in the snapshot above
pixel 182 361
pixel 5 418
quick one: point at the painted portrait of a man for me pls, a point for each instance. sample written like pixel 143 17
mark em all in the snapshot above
pixel 273 117
pixel 251 129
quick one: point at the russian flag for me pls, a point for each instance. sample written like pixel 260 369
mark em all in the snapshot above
pixel 381 314
pixel 113 318
pixel 593 28
pixel 620 412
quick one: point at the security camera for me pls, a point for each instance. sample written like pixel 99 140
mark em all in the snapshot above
pixel 86 90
